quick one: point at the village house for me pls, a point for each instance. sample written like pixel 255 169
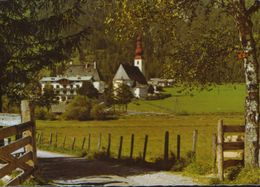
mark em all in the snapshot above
pixel 159 82
pixel 133 74
pixel 65 86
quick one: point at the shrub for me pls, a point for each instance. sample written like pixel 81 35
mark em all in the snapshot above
pixel 40 113
pixel 50 116
pixel 248 176
pixel 98 112
pixel 199 168
pixel 78 109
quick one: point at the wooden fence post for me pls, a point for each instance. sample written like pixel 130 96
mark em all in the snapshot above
pixel 132 146
pixel 145 147
pixel 64 141
pixel 108 145
pixel 220 156
pixel 83 143
pixel 194 142
pixel 214 149
pixel 73 143
pixel 99 142
pixel 178 147
pixel 41 138
pixel 89 143
pixel 166 146
pixel 56 139
pixel 50 142
pixel 27 114
pixel 2 142
pixel 120 147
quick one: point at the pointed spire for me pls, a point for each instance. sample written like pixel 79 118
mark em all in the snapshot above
pixel 139 49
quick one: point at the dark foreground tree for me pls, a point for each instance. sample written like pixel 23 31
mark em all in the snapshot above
pixel 135 15
pixel 36 35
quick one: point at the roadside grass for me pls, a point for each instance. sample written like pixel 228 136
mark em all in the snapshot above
pixel 153 126
pixel 221 99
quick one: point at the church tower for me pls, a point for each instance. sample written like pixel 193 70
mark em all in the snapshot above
pixel 138 62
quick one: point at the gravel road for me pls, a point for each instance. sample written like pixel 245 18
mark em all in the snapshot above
pixel 63 169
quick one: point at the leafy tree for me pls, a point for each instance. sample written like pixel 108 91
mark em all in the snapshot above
pixel 36 35
pixel 98 112
pixel 199 58
pixel 78 109
pixel 87 89
pixel 123 95
pixel 48 97
pixel 108 95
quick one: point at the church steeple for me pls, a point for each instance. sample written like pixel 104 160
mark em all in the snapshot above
pixel 138 62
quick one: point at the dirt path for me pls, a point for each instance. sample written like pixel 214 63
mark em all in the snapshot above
pixel 61 169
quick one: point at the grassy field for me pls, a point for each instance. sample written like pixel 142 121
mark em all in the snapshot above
pixel 222 99
pixel 154 126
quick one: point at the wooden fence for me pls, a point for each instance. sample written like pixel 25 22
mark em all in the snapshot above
pixel 65 142
pixel 223 145
pixel 18 158
pixel 25 162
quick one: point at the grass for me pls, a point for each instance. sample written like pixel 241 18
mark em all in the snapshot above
pixel 154 126
pixel 222 99
pixel 186 113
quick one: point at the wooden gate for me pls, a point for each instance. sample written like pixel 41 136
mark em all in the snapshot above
pixel 232 145
pixel 14 163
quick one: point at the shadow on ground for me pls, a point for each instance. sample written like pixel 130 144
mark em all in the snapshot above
pixel 69 168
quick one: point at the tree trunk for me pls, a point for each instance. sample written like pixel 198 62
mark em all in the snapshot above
pixel 252 89
pixel 1 101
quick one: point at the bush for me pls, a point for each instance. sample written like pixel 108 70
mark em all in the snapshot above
pixel 43 114
pixel 40 113
pixel 199 168
pixel 248 176
pixel 98 112
pixel 50 116
pixel 78 109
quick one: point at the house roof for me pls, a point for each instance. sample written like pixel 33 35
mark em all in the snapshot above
pixel 134 73
pixel 83 70
pixel 74 78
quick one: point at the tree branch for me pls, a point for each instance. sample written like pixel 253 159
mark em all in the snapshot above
pixel 255 7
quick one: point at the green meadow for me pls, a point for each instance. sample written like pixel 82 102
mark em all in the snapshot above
pixel 153 126
pixel 185 114
pixel 221 99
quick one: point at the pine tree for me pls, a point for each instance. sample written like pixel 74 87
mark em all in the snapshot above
pixel 35 35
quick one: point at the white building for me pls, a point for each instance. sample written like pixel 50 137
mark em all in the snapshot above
pixel 66 85
pixel 133 75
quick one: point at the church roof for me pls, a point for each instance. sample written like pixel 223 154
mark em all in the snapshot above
pixel 134 73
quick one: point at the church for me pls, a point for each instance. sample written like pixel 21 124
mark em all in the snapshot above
pixel 133 74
